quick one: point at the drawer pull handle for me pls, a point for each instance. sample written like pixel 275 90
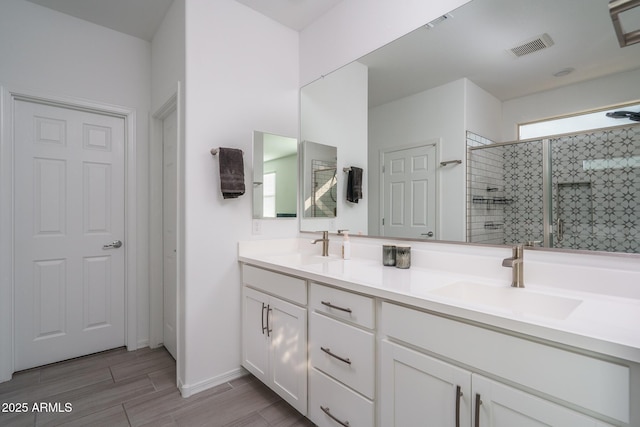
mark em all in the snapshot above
pixel 328 412
pixel 459 394
pixel 342 359
pixel 478 403
pixel 262 318
pixel 328 304
pixel 269 330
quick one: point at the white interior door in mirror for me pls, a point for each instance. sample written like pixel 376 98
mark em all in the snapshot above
pixel 409 192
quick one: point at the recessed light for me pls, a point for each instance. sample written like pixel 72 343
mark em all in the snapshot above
pixel 564 72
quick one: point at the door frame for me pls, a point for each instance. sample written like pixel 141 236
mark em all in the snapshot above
pixel 8 97
pixel 435 142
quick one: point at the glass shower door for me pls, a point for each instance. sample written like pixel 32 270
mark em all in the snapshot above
pixel 596 190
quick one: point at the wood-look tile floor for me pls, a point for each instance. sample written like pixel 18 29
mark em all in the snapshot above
pixel 122 388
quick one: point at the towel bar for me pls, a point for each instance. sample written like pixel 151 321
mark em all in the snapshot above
pixel 346 169
pixel 214 151
pixel 450 161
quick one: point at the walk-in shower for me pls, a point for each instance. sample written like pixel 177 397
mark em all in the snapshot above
pixel 577 191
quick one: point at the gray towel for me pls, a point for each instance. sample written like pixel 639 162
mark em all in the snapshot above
pixel 231 172
pixel 354 184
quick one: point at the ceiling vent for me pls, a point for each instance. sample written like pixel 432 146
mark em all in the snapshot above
pixel 535 44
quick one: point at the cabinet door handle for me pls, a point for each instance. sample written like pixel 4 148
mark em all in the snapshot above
pixel 458 396
pixel 478 403
pixel 342 359
pixel 262 318
pixel 269 330
pixel 333 417
pixel 328 304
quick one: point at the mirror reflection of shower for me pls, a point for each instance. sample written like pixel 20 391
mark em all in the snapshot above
pixel 575 191
pixel 324 200
pixel 319 180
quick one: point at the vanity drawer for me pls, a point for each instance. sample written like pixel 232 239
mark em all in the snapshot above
pixel 348 306
pixel 591 383
pixel 327 396
pixel 286 287
pixel 343 351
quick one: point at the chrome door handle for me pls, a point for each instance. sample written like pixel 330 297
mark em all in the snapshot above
pixel 113 245
pixel 429 234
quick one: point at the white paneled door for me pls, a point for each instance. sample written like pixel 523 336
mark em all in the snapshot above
pixel 409 192
pixel 69 226
pixel 169 225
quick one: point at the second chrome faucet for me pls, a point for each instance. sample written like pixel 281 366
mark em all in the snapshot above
pixel 325 243
pixel 517 266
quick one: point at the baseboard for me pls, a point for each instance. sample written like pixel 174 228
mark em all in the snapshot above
pixel 188 390
pixel 143 343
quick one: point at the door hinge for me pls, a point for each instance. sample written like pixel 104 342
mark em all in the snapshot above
pixel 382 221
pixel 382 168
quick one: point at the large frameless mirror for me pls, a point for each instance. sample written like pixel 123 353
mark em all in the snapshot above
pixel 464 83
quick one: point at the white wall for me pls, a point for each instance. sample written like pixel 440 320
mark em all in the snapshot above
pixel 483 112
pixel 592 94
pixel 57 55
pixel 335 114
pixel 241 75
pixel 167 81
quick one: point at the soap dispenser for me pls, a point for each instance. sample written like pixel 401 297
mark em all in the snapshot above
pixel 346 246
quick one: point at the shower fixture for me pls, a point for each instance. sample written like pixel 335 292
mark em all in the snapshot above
pixel 625 115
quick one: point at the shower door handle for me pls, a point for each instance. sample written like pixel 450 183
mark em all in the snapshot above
pixel 560 230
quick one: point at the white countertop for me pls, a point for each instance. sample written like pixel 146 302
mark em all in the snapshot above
pixel 608 325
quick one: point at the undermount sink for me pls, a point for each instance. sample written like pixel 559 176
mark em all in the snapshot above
pixel 516 300
pixel 302 259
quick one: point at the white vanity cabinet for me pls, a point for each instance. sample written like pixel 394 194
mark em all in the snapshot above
pixel 274 333
pixel 341 358
pixel 416 387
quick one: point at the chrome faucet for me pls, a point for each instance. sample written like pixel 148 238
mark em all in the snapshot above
pixel 516 263
pixel 325 243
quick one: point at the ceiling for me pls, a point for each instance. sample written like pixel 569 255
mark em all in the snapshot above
pixel 295 14
pixel 141 18
pixel 138 18
pixel 472 43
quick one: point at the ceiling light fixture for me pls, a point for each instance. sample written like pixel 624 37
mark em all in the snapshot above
pixel 617 8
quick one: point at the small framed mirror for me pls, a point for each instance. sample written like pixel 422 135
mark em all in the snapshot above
pixel 275 176
pixel 320 180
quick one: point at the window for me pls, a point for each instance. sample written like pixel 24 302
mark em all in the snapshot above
pixel 575 123
pixel 269 195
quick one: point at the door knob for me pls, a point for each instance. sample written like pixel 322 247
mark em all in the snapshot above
pixel 429 234
pixel 113 245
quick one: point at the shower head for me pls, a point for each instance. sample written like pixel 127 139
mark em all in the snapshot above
pixel 625 115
